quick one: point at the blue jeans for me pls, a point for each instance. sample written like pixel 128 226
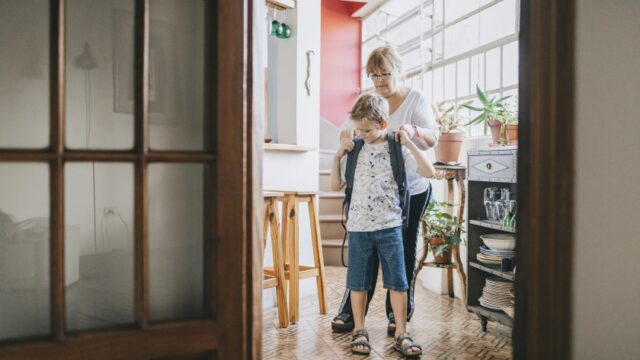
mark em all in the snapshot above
pixel 365 248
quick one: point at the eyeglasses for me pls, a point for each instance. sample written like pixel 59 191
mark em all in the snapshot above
pixel 383 76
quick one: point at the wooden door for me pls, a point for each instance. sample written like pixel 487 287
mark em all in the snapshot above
pixel 154 148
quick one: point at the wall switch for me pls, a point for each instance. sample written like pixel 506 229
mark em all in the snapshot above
pixel 110 211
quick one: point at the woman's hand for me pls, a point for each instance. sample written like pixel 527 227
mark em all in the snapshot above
pixel 346 139
pixel 408 129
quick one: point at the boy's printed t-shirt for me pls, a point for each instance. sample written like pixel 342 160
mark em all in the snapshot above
pixel 374 202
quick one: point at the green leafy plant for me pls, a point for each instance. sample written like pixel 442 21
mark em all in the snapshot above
pixel 437 223
pixel 492 109
pixel 447 115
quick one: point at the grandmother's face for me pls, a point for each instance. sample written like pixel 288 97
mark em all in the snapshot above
pixel 385 82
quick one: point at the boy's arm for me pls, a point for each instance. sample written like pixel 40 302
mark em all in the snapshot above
pixel 425 168
pixel 336 179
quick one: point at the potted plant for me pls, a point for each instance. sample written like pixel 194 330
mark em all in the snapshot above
pixel 440 230
pixel 510 123
pixel 492 113
pixel 449 119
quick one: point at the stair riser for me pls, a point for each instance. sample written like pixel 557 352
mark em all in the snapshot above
pixel 331 230
pixel 325 182
pixel 332 255
pixel 326 161
pixel 331 206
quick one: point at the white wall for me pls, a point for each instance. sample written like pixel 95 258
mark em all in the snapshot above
pixel 606 291
pixel 297 115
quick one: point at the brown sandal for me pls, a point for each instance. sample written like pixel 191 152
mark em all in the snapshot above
pixel 404 343
pixel 364 343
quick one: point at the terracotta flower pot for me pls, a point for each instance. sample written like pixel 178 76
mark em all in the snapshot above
pixel 495 127
pixel 512 134
pixel 445 258
pixel 449 146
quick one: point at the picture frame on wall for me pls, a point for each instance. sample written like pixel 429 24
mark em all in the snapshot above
pixel 162 68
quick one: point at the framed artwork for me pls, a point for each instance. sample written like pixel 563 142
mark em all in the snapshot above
pixel 162 68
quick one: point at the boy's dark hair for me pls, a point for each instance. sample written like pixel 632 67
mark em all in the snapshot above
pixel 370 106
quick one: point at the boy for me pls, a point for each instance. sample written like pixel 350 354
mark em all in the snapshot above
pixel 374 222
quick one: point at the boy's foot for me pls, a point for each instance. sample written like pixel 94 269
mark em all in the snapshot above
pixel 405 345
pixel 360 342
pixel 342 323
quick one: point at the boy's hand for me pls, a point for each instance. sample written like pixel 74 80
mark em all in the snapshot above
pixel 407 129
pixel 344 150
pixel 403 136
pixel 346 138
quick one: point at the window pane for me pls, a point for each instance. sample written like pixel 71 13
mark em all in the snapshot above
pixel 450 81
pixel 510 64
pixel 176 75
pixel 99 75
pixel 493 69
pixel 497 21
pixel 438 84
pixel 456 8
pixel 24 73
pixel 24 250
pixel 176 224
pixel 463 77
pixel 397 8
pixel 461 37
pixel 410 28
pixel 477 72
pixel 99 268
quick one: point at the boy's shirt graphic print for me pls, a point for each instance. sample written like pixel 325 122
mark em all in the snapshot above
pixel 374 203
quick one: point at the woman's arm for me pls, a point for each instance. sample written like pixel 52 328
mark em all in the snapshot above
pixel 425 168
pixel 424 138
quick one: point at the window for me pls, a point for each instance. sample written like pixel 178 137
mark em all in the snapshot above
pixel 449 46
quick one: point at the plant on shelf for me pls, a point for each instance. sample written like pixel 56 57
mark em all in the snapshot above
pixel 440 230
pixel 450 121
pixel 510 125
pixel 493 113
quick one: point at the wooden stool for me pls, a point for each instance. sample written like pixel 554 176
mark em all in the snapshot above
pixel 275 277
pixel 293 270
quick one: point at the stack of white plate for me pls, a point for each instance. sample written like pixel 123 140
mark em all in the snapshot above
pixel 493 257
pixel 509 310
pixel 495 294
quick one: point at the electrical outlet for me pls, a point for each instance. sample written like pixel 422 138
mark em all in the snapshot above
pixel 110 211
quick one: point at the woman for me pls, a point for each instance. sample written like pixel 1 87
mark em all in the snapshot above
pixel 409 110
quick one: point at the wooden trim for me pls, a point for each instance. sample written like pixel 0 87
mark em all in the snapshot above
pixel 163 341
pixel 233 178
pixel 542 328
pixel 288 147
pixel 56 177
pixel 141 112
pixel 255 200
pixel 106 156
pixel 282 4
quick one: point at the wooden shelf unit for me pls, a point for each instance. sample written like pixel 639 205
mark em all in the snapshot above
pixel 487 168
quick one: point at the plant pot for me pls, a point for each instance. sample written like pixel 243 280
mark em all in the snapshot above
pixel 449 146
pixel 443 259
pixel 495 127
pixel 512 134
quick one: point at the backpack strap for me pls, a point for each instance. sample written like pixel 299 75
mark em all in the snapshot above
pixel 349 174
pixel 400 175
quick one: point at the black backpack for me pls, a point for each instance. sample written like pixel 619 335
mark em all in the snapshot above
pixel 399 174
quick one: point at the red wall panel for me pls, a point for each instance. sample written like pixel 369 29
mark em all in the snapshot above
pixel 340 59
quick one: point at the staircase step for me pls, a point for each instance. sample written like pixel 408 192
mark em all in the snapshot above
pixel 331 204
pixel 325 181
pixel 331 229
pixel 331 218
pixel 332 252
pixel 326 159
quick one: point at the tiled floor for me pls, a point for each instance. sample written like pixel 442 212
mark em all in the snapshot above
pixel 441 325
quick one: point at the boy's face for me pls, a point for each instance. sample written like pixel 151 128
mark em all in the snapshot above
pixel 369 131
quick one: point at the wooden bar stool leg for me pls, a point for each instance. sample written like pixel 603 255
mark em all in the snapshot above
pixel 278 266
pixel 294 275
pixel 317 253
pixel 285 230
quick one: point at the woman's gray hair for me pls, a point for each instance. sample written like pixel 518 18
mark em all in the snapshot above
pixel 384 58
